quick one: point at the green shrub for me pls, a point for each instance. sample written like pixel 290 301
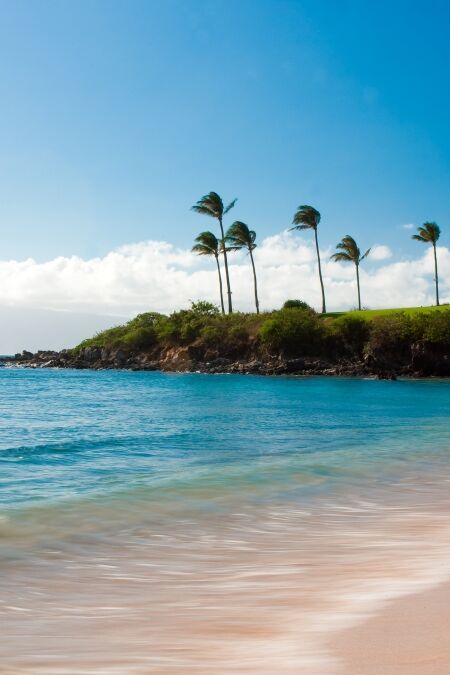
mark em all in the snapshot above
pixel 293 331
pixel 432 327
pixel 204 308
pixel 237 339
pixel 168 329
pixel 211 335
pixel 349 334
pixel 146 320
pixel 391 334
pixel 139 338
pixel 110 337
pixel 186 325
pixel 229 334
pixel 296 304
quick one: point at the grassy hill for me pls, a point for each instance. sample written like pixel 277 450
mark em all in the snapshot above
pixel 293 340
pixel 383 338
pixel 371 313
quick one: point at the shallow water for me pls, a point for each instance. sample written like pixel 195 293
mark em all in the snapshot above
pixel 158 523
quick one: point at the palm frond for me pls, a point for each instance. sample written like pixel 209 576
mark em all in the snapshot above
pixel 428 233
pixel 348 251
pixel 230 206
pixel 200 249
pixel 339 257
pixel 234 247
pixel 300 227
pixel 305 218
pixel 240 236
pixel 207 244
pixel 209 205
pixel 204 210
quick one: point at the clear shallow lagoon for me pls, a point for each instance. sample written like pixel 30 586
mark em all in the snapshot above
pixel 216 524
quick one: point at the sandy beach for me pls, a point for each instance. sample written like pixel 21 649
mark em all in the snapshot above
pixel 152 546
pixel 409 637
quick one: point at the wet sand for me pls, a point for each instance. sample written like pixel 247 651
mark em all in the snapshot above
pixel 408 637
pixel 265 591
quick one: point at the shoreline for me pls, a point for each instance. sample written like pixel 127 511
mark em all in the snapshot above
pixel 238 370
pixel 360 623
pixel 408 636
pixel 287 341
pixel 246 361
pixel 299 375
pixel 307 367
pixel 261 564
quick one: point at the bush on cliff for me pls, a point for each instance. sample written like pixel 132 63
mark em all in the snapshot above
pixel 138 333
pixel 347 335
pixel 229 335
pixel 295 332
pixel 296 304
pixel 181 327
pixel 204 327
pixel 433 328
pixel 391 335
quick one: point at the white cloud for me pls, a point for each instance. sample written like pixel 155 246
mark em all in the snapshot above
pixel 408 226
pixel 158 276
pixel 380 252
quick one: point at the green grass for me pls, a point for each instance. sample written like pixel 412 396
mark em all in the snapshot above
pixel 371 313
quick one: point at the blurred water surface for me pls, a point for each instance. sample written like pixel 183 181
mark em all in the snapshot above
pixel 214 524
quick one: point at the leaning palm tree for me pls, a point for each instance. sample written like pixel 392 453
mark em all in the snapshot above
pixel 348 251
pixel 208 244
pixel 239 236
pixel 308 218
pixel 212 205
pixel 429 234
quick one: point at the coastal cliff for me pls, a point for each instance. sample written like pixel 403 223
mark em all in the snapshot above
pixel 288 341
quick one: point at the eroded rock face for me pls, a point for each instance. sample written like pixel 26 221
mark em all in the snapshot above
pixel 177 359
pixel 422 361
pixel 90 354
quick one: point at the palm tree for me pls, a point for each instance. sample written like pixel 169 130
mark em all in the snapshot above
pixel 212 205
pixel 348 251
pixel 240 236
pixel 429 234
pixel 208 244
pixel 308 218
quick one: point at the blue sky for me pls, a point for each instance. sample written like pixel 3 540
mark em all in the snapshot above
pixel 117 116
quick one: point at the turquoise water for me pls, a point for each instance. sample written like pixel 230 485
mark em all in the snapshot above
pixel 174 523
pixel 79 434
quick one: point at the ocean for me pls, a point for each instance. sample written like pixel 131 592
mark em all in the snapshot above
pixel 188 523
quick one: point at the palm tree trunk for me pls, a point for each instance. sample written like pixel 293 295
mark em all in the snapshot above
pixel 220 285
pixel 357 283
pixel 320 272
pixel 436 275
pixel 254 280
pixel 227 276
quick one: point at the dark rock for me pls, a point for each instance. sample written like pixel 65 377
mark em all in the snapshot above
pixel 428 360
pixel 294 365
pixel 419 360
pixel 386 376
pixel 90 354
pixel 120 357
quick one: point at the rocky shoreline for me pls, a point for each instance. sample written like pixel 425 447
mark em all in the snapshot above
pixel 420 362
